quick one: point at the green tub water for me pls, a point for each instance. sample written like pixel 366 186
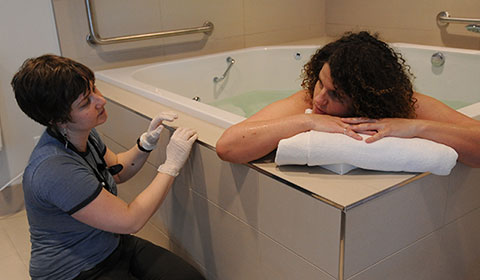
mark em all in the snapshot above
pixel 249 103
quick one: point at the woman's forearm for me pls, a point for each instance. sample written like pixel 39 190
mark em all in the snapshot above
pixel 110 213
pixel 251 140
pixel 463 138
pixel 131 160
pixel 148 201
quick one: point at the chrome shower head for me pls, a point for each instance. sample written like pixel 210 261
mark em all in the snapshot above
pixel 473 28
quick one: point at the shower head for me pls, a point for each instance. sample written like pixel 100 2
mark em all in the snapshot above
pixel 473 27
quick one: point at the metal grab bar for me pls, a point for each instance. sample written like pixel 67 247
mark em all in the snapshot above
pixel 94 37
pixel 443 19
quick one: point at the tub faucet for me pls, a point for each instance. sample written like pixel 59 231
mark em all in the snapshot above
pixel 230 62
pixel 473 28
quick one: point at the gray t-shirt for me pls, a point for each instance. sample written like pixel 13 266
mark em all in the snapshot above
pixel 57 182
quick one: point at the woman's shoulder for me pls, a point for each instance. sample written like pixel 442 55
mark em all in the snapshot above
pixel 430 108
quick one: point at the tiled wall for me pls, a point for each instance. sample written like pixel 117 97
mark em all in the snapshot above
pixel 231 220
pixel 238 24
pixel 246 23
pixel 410 21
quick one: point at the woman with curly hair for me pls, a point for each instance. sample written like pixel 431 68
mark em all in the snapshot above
pixel 357 84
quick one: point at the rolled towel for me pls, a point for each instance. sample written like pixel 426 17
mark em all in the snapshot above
pixel 341 153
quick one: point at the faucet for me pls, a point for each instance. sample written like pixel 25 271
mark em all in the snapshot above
pixel 230 62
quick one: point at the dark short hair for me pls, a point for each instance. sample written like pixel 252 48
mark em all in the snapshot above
pixel 45 87
pixel 369 72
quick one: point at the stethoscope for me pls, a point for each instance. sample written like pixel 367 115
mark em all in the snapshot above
pixel 102 166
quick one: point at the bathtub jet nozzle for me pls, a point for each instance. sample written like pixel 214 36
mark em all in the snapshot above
pixel 230 62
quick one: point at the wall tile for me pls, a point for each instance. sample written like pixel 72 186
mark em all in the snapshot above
pixel 233 187
pixel 391 222
pixel 305 225
pixel 404 21
pixel 231 19
pixel 279 263
pixel 449 253
pixel 272 15
pixel 463 192
pixel 115 17
pixel 227 16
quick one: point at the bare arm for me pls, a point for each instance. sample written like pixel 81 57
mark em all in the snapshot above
pixel 131 160
pixel 435 121
pixel 259 135
pixel 110 213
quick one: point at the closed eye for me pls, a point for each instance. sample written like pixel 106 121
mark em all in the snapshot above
pixel 85 101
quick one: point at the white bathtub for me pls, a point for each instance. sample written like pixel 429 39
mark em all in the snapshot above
pixel 262 73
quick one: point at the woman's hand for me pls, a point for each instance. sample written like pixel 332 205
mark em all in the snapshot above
pixel 178 150
pixel 379 128
pixel 327 123
pixel 149 139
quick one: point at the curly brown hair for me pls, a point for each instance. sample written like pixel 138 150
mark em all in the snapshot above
pixel 367 71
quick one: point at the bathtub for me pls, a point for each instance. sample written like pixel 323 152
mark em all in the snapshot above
pixel 261 75
pixel 357 224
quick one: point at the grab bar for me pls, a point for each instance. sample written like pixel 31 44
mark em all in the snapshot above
pixel 443 19
pixel 230 62
pixel 94 38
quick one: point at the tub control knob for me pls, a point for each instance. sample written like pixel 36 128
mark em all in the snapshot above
pixel 438 59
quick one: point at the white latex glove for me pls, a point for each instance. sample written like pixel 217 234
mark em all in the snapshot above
pixel 149 139
pixel 178 150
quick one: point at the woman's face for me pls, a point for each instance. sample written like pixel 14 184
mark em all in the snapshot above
pixel 325 97
pixel 88 111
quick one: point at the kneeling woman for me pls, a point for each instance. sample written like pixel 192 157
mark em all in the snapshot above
pixel 79 228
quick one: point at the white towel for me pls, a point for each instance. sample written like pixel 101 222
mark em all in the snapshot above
pixel 341 153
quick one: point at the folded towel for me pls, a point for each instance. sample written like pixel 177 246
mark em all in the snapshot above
pixel 341 153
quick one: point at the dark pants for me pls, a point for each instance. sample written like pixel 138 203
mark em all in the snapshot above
pixel 139 259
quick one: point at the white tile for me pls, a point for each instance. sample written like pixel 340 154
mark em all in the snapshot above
pixel 11 200
pixel 463 191
pixel 251 197
pixel 227 16
pixel 280 263
pixel 227 247
pixel 17 229
pixel 461 244
pixel 397 14
pixel 233 187
pixel 8 248
pixel 388 223
pixel 267 15
pixel 15 238
pixel 303 224
pixel 12 267
pixel 115 17
pixel 451 252
pixel 154 235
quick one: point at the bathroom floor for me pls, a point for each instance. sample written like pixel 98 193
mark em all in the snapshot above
pixel 15 245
